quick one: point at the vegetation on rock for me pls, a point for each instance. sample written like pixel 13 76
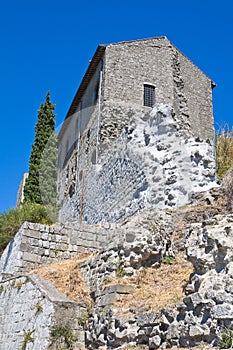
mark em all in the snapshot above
pixel 224 151
pixel 226 340
pixel 63 334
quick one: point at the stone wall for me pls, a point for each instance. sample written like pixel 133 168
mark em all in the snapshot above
pixel 30 308
pixel 129 65
pixel 196 91
pixel 20 194
pixel 177 80
pixel 37 244
pixel 76 125
pixel 149 164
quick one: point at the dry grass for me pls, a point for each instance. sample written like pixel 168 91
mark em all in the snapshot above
pixel 224 152
pixel 66 277
pixel 155 288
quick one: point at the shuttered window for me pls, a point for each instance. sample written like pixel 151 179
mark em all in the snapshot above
pixel 149 95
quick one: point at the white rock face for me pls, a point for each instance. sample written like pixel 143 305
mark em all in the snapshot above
pixel 150 165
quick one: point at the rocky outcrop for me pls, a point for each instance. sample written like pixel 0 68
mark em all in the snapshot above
pixel 128 248
pixel 203 314
pixel 141 242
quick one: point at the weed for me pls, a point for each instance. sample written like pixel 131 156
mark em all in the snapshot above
pixel 12 283
pixel 107 280
pixel 82 319
pixel 1 288
pixel 19 284
pixel 168 260
pixel 120 267
pixel 179 234
pixel 177 298
pixel 226 340
pixel 27 339
pixel 141 275
pixel 89 309
pixel 27 279
pixel 144 270
pixel 63 333
pixel 39 308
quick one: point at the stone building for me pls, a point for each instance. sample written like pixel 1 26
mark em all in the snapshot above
pixel 138 133
pixel 20 194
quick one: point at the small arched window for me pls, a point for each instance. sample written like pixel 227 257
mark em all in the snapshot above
pixel 149 95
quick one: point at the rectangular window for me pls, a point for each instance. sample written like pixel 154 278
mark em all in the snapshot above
pixel 149 95
pixel 96 92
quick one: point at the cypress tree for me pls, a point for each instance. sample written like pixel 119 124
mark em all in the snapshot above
pixel 48 172
pixel 44 129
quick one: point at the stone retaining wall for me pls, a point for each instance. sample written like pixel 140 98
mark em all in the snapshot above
pixel 37 244
pixel 30 308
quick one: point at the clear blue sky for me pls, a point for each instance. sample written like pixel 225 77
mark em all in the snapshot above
pixel 46 45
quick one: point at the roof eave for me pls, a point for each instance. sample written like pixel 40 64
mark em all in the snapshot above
pixel 86 79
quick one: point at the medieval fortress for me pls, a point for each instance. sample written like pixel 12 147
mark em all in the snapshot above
pixel 138 134
pixel 137 143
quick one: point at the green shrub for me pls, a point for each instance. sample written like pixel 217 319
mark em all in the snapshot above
pixel 64 334
pixel 12 220
pixel 226 340
pixel 168 260
pixel 27 339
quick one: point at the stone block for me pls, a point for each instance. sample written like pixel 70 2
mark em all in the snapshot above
pixel 106 299
pixel 32 233
pixel 30 257
pixel 46 252
pixel 154 342
pixel 24 247
pixel 44 235
pixel 64 239
pixel 46 244
pixel 222 311
pixel 119 288
pixel 52 245
pixel 52 254
pixel 198 331
pixel 89 236
pixel 62 246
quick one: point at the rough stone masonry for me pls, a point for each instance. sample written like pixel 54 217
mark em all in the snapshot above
pixel 151 164
pixel 117 155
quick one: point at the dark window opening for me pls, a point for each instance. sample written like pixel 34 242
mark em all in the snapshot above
pixel 149 95
pixel 96 92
